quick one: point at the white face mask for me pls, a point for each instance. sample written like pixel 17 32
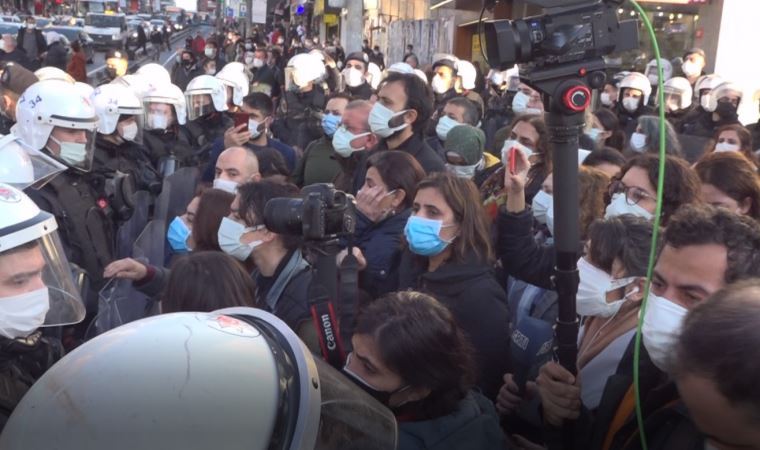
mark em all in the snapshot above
pixel 226 185
pixel 258 63
pixel 157 121
pixel 550 218
pixel 509 144
pixel 21 315
pixel 253 128
pixel 248 61
pixel 605 99
pixel 593 133
pixel 662 326
pixel 704 102
pixel 73 153
pixel 520 102
pixel 638 141
pixel 631 104
pixel 341 141
pixel 439 85
pixel 445 124
pixel 379 120
pixel 690 68
pixel 129 131
pixel 653 78
pixel 619 206
pixel 229 235
pixel 464 171
pixel 540 205
pixel 353 76
pixel 726 147
pixel 209 52
pixel 593 287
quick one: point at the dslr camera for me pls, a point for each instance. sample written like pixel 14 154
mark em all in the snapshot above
pixel 322 213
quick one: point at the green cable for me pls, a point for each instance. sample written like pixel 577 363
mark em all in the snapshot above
pixel 656 225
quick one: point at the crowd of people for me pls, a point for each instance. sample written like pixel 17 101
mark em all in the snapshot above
pixel 453 245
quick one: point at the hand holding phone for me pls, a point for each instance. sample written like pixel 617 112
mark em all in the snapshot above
pixel 241 119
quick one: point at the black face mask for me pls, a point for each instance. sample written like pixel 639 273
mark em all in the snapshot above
pixel 111 73
pixel 726 110
pixel 187 63
pixel 381 396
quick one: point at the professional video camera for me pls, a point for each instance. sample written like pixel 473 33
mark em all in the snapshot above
pixel 322 213
pixel 569 40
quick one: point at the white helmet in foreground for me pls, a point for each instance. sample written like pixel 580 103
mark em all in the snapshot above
pixel 55 116
pixel 21 166
pixel 53 73
pixel 155 72
pixel 42 292
pixel 111 101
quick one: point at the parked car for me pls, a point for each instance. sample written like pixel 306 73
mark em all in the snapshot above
pixel 76 33
pixel 10 28
pixel 13 19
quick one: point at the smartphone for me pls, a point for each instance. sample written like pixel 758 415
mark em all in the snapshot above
pixel 240 119
pixel 513 160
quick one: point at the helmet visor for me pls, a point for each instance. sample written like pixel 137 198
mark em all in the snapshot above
pixel 22 166
pixel 158 115
pixel 40 263
pixel 199 105
pixel 73 147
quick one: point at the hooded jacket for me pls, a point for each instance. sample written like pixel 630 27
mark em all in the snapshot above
pixel 473 426
pixel 478 303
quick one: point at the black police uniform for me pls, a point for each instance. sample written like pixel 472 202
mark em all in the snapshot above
pixel 175 143
pixel 205 130
pixel 302 123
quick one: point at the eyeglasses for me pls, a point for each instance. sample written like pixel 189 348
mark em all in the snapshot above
pixel 633 194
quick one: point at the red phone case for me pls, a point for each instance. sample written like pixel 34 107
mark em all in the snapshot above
pixel 240 119
pixel 512 160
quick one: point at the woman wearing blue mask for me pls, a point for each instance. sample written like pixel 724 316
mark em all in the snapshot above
pixel 179 233
pixel 449 255
pixel 384 204
pixel 409 353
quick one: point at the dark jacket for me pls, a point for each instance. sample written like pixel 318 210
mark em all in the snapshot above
pixel 285 294
pixel 629 121
pixel 317 165
pixel 301 122
pixel 363 91
pixel 174 142
pixel 128 158
pixel 17 56
pixel 182 75
pixel 478 303
pixel 207 129
pixel 22 362
pixel 473 426
pixel 702 124
pixel 520 255
pixel 56 56
pixel 381 245
pixel 39 37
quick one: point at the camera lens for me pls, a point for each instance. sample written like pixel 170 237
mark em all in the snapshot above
pixel 284 215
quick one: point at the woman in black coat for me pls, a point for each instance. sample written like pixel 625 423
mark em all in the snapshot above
pixel 449 255
pixel 383 205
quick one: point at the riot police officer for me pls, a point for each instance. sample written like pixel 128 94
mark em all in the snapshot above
pixel 120 158
pixel 36 290
pixel 206 98
pixel 304 101
pixel 237 378
pixel 56 118
pixel 168 142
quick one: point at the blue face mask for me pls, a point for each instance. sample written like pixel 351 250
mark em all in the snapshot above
pixel 177 235
pixel 423 236
pixel 330 124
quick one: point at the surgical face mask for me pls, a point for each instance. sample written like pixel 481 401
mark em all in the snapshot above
pixel 423 236
pixel 653 78
pixel 593 287
pixel 379 120
pixel 726 147
pixel 258 63
pixel 619 206
pixel 229 235
pixel 330 124
pixel 593 133
pixel 157 121
pixel 662 326
pixel 704 102
pixel 445 124
pixel 210 70
pixel 30 26
pixel 73 153
pixel 129 131
pixel 605 99
pixel 511 143
pixel 253 128
pixel 353 76
pixel 520 102
pixel 21 315
pixel 209 52
pixel 540 205
pixel 631 104
pixel 690 68
pixel 439 85
pixel 341 141
pixel 638 141
pixel 467 172
pixel 248 61
pixel 177 235
pixel 550 219
pixel 381 396
pixel 226 185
